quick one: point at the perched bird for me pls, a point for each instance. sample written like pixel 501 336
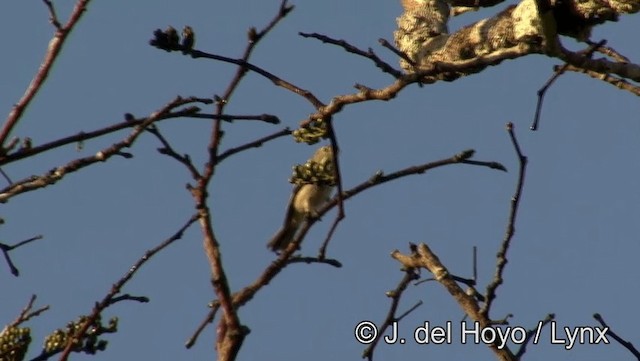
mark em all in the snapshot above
pixel 188 39
pixel 172 37
pixel 305 201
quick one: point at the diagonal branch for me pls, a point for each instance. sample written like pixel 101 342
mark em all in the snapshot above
pixel 253 144
pixel 395 295
pixel 422 257
pixel 28 313
pixel 111 297
pixel 610 79
pixel 626 344
pixel 129 122
pixel 56 174
pixel 369 54
pixel 55 46
pixel 276 80
pixel 243 296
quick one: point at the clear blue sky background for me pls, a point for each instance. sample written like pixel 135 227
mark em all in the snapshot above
pixel 575 250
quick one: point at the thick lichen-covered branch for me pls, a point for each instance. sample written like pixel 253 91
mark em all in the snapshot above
pixel 423 33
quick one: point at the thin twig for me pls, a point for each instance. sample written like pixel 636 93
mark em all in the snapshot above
pixel 626 344
pixel 26 314
pixel 475 263
pixel 338 175
pixel 309 260
pixel 385 43
pixel 253 144
pixel 170 152
pixel 129 122
pixel 5 176
pixel 205 322
pixel 53 18
pixel 395 295
pixel 267 118
pixel 558 72
pixel 369 54
pixel 55 46
pixel 258 70
pixel 610 52
pixel 613 80
pixel 501 256
pixel 531 333
pixel 57 174
pixel 628 71
pixel 7 248
pixel 111 297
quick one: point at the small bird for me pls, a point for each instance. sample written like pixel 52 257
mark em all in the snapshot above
pixel 305 201
pixel 188 39
pixel 172 37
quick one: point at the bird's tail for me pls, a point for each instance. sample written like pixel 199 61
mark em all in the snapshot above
pixel 284 236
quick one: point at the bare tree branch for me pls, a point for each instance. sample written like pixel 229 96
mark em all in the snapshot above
pixel 626 344
pixel 613 80
pixel 395 295
pixel 26 314
pixel 56 174
pixel 501 262
pixel 230 332
pixel 55 46
pixel 557 73
pixel 241 297
pixel 112 296
pixel 421 256
pixel 6 249
pixel 369 54
pixel 531 333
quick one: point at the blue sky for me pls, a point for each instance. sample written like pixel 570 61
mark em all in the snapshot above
pixel 576 240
